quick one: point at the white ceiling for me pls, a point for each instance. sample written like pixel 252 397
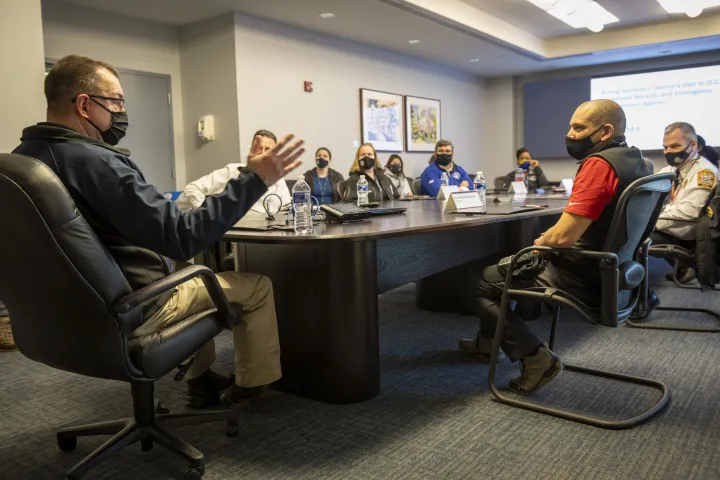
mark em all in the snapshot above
pixel 527 16
pixel 382 24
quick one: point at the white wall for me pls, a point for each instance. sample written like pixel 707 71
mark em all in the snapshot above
pixel 125 42
pixel 500 120
pixel 21 51
pixel 210 88
pixel 566 167
pixel 273 60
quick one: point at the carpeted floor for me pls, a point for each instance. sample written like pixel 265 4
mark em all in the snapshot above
pixel 434 419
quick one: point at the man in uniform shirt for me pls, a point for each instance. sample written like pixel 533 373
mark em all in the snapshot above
pixel 696 177
pixel 214 183
pixel 608 166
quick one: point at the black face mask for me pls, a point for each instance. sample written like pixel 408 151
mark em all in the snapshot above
pixel 395 168
pixel 582 147
pixel 677 158
pixel 443 159
pixel 321 162
pixel 366 163
pixel 118 127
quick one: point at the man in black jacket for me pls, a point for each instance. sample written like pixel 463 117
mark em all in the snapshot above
pixel 85 121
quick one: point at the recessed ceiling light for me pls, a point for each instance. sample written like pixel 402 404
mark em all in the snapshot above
pixel 413 42
pixel 664 52
pixel 327 15
pixel 475 60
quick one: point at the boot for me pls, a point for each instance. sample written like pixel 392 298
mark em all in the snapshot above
pixel 536 371
pixel 7 342
pixel 204 391
pixel 479 348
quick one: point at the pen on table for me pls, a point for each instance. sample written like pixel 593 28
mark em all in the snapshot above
pixel 534 206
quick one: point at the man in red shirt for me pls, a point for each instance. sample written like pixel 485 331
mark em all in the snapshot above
pixel 607 167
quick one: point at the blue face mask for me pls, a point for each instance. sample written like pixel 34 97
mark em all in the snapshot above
pixel 524 165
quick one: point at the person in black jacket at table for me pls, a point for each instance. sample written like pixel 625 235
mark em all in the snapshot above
pixel 366 163
pixel 534 175
pixel 322 179
pixel 86 119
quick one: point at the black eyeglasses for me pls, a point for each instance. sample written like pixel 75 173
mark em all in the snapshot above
pixel 119 101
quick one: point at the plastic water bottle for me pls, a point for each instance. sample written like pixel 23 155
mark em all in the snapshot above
pixel 302 206
pixel 519 175
pixel 444 180
pixel 481 187
pixel 363 191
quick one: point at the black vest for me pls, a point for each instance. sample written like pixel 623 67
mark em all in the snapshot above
pixel 629 165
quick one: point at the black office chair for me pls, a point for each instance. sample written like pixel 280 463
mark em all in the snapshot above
pixel 342 189
pixel 73 310
pixel 416 186
pixel 678 255
pixel 501 183
pixel 621 276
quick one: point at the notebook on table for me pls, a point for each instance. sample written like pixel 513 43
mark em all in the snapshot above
pixel 502 209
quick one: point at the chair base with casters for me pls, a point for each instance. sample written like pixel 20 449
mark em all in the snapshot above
pixel 680 256
pixel 147 426
pixel 559 299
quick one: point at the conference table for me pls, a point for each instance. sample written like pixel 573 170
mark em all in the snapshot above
pixel 326 285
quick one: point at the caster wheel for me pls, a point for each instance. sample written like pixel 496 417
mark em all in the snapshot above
pixel 66 444
pixel 232 429
pixel 146 445
pixel 161 410
pixel 195 473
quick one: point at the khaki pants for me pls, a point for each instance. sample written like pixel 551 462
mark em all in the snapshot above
pixel 257 348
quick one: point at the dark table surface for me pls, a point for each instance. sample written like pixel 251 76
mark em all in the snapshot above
pixel 421 216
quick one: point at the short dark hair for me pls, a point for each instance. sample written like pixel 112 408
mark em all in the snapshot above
pixel 71 76
pixel 444 143
pixel 393 157
pixel 265 133
pixel 520 151
pixel 326 149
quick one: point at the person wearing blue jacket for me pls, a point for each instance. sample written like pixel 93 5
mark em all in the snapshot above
pixel 430 179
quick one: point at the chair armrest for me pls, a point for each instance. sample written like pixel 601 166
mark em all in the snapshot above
pixel 560 251
pixel 131 301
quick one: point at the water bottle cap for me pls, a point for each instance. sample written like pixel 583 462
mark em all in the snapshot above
pixel 479 173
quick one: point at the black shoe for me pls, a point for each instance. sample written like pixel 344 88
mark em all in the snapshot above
pixel 652 303
pixel 685 275
pixel 234 394
pixel 204 391
pixel 479 348
pixel 536 371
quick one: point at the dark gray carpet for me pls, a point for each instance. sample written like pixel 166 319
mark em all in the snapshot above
pixel 434 419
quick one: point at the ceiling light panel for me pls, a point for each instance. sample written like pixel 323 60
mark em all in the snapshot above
pixel 692 8
pixel 578 13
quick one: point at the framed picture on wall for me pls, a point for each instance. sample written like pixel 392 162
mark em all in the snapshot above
pixel 423 126
pixel 382 120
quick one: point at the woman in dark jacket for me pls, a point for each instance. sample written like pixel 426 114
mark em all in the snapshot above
pixel 322 179
pixel 534 175
pixel 366 163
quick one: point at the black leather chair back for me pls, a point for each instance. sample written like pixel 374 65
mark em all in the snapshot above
pixel 416 186
pixel 501 183
pixel 342 189
pixel 58 280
